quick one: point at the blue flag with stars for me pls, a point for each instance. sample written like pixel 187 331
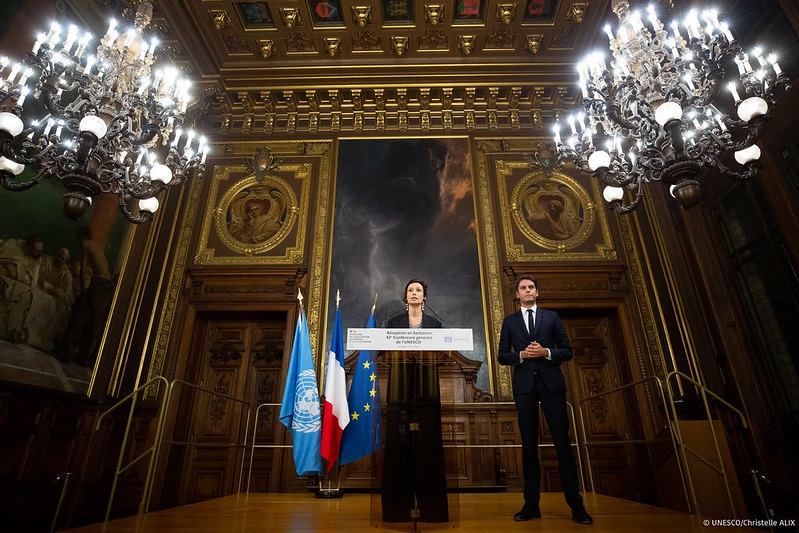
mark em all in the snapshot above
pixel 364 434
pixel 300 410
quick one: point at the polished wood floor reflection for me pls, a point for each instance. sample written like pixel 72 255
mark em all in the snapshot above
pixel 479 513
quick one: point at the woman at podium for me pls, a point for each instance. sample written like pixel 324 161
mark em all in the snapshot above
pixel 414 486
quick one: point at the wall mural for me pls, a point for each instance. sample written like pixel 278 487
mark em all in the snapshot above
pixel 405 209
pixel 57 283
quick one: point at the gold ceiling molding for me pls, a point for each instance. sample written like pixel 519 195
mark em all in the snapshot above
pixel 220 18
pixel 434 13
pixel 466 44
pixel 290 16
pixel 501 39
pixel 362 15
pixel 577 11
pixel 534 42
pixel 267 48
pixel 399 44
pixel 506 13
pixel 495 108
pixel 333 46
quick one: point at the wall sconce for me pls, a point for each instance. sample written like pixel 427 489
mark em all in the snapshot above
pixel 433 13
pixel 399 45
pixel 291 16
pixel 505 13
pixel 267 48
pixel 333 46
pixel 534 42
pixel 362 15
pixel 466 44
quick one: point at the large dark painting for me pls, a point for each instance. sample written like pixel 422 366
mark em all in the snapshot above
pixel 57 282
pixel 405 209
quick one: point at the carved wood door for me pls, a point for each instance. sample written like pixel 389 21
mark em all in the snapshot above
pixel 600 364
pixel 241 360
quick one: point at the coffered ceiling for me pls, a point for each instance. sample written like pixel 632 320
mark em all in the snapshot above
pixel 290 67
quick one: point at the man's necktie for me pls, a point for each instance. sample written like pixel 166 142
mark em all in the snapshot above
pixel 530 321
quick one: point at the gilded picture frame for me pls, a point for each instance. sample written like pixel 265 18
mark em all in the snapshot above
pixel 276 235
pixel 553 211
pixel 520 190
pixel 254 216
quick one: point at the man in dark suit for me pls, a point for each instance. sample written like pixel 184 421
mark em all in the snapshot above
pixel 535 343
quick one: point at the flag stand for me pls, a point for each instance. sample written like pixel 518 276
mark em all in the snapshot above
pixel 330 493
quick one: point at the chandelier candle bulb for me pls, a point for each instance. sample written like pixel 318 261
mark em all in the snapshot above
pixel 149 205
pixel 750 153
pixel 11 124
pixel 772 58
pixel 612 194
pixel 752 107
pixel 11 166
pixel 758 53
pixel 23 93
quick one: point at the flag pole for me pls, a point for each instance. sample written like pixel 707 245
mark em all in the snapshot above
pixel 331 492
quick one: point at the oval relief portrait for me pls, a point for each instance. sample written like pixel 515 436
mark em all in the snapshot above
pixel 254 216
pixel 553 211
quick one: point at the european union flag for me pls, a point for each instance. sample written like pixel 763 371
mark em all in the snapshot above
pixel 364 434
pixel 300 411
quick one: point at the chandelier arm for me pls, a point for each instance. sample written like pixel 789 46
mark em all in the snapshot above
pixel 8 182
pixel 715 79
pixel 143 189
pixel 622 208
pixel 750 171
pixel 136 218
pixel 614 114
pixel 149 132
pixel 753 131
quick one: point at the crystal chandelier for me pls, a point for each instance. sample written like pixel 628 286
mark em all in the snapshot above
pixel 670 104
pixel 98 123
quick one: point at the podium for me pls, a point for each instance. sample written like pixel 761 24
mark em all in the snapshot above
pixel 415 476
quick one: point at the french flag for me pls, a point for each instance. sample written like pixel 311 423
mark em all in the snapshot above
pixel 336 413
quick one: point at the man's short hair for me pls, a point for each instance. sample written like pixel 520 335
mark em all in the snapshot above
pixel 528 277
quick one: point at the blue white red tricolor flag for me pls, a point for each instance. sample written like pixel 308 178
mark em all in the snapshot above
pixel 335 413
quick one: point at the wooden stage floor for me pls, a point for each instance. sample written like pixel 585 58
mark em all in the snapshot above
pixel 479 513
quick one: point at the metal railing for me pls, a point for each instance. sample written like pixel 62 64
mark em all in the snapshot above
pixel 255 445
pixel 667 398
pixel 454 407
pixel 684 450
pixel 154 450
pixel 665 395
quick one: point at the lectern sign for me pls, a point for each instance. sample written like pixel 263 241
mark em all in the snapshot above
pixel 446 339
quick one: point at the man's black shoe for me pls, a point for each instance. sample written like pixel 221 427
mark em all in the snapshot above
pixel 581 516
pixel 528 512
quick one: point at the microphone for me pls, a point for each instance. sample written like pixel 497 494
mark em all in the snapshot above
pixel 427 306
